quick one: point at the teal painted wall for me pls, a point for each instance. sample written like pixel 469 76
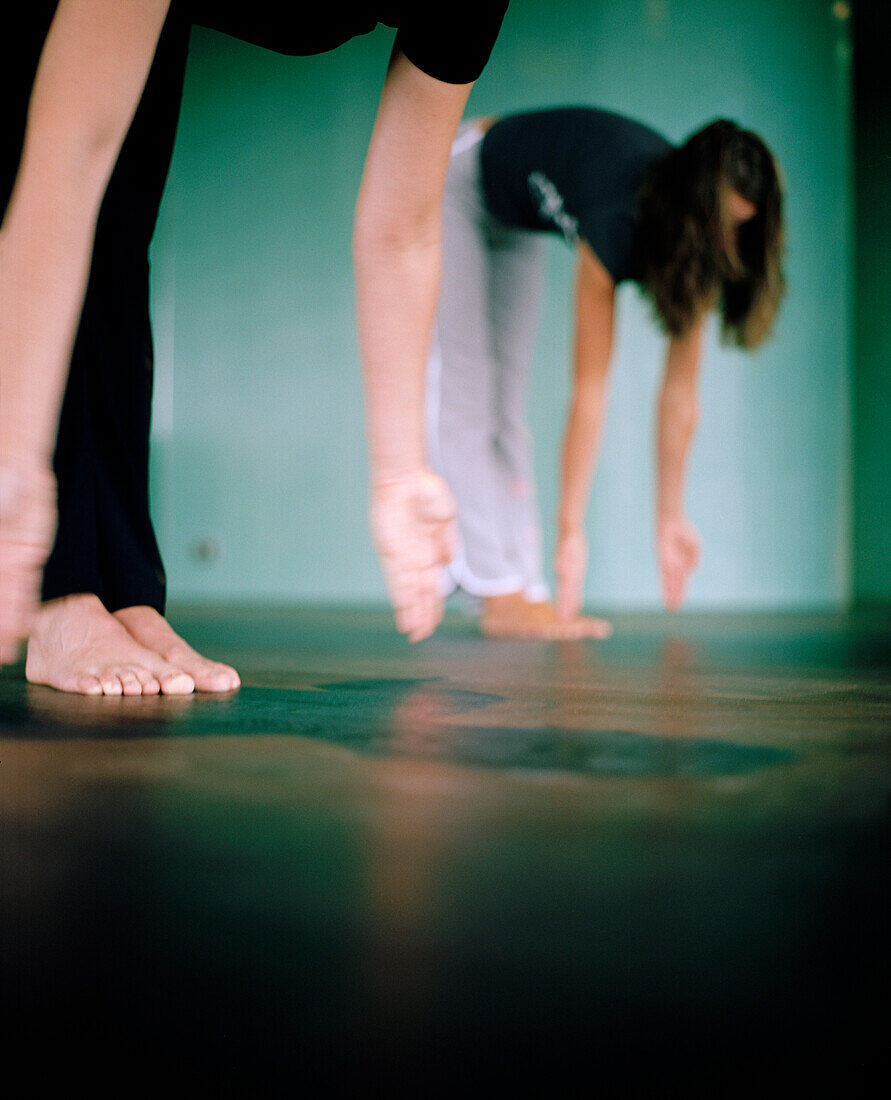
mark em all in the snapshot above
pixel 259 448
pixel 872 377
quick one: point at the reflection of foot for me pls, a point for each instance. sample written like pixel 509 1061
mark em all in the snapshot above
pixel 75 645
pixel 152 630
pixel 513 616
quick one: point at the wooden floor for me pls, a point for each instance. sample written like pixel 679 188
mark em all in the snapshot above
pixel 654 866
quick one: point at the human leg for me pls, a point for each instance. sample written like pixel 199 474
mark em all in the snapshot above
pixel 485 325
pixel 105 557
pixel 515 276
pixel 105 543
pixel 461 388
pixel 515 283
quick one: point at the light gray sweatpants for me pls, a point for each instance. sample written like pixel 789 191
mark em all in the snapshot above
pixel 476 384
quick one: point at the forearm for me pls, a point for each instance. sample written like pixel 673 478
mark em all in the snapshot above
pixel 44 260
pixel 678 415
pixel 91 72
pixel 677 420
pixel 397 286
pixel 594 308
pixel 581 446
pixel 397 256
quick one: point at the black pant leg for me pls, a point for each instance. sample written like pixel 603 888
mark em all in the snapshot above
pixel 105 542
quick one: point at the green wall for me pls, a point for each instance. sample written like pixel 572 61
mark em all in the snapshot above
pixel 259 449
pixel 872 380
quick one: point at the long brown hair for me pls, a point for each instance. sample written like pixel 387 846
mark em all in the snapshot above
pixel 692 256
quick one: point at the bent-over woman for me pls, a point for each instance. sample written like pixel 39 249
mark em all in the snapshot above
pixel 698 226
pixel 94 86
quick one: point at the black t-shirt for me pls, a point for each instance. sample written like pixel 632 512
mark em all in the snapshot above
pixel 575 171
pixel 449 42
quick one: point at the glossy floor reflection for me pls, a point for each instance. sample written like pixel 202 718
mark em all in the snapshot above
pixel 654 865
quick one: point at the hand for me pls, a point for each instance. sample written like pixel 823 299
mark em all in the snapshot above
pixel 27 526
pixel 570 563
pixel 679 551
pixel 413 526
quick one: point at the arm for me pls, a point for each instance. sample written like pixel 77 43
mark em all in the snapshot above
pixel 677 539
pixel 396 244
pixel 91 73
pixel 92 70
pixel 594 307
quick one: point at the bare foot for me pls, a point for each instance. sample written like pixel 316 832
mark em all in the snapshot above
pixel 152 630
pixel 76 645
pixel 513 616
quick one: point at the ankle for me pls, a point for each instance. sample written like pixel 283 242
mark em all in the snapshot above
pixel 87 601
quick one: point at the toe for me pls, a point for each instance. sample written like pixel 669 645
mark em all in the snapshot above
pixel 149 681
pixel 86 685
pixel 174 681
pixel 111 684
pixel 130 682
pixel 597 628
pixel 212 676
pixel 223 681
pixel 227 678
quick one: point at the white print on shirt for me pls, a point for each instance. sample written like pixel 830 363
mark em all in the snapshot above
pixel 550 205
